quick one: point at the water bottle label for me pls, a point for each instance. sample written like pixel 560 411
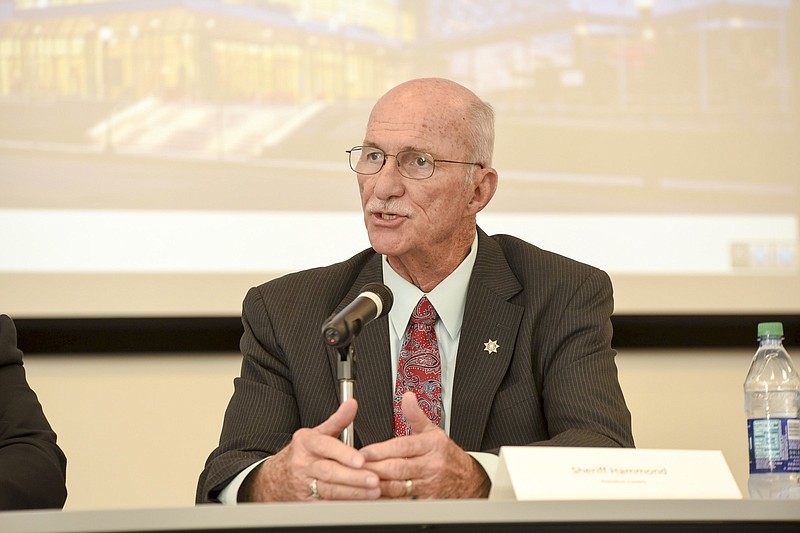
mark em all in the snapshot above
pixel 774 445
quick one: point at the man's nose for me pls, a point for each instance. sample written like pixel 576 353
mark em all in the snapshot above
pixel 389 181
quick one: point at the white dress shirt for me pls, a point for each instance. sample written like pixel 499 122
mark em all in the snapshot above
pixel 449 299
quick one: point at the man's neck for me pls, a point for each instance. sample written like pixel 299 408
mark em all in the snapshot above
pixel 428 271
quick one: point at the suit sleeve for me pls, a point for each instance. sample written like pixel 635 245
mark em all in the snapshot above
pixel 582 399
pixel 32 466
pixel 262 413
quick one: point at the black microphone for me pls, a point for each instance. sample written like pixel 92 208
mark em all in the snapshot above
pixel 374 302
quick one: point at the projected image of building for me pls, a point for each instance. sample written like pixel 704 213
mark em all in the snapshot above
pixel 651 138
pixel 653 95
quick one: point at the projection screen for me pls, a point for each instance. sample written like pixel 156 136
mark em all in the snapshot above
pixel 158 158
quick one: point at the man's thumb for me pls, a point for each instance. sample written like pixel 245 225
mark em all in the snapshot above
pixel 415 417
pixel 339 420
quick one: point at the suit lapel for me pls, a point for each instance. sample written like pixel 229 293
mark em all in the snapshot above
pixel 488 316
pixel 373 371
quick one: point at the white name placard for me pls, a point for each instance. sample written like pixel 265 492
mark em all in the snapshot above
pixel 558 473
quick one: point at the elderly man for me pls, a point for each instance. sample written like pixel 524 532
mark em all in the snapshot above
pixel 507 344
pixel 32 466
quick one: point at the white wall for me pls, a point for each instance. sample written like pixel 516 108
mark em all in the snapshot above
pixel 136 429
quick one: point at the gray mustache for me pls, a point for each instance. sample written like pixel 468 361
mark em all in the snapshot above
pixel 386 207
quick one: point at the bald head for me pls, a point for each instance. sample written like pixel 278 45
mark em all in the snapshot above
pixel 435 91
pixel 450 111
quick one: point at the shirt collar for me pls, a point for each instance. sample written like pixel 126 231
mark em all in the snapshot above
pixel 449 297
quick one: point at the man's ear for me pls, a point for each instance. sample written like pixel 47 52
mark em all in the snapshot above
pixel 484 185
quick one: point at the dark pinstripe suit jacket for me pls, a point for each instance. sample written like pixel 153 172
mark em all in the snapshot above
pixel 553 380
pixel 32 466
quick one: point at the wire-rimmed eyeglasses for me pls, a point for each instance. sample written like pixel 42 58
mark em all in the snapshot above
pixel 414 165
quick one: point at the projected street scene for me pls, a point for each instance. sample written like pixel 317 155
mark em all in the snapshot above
pixel 663 102
pixel 647 137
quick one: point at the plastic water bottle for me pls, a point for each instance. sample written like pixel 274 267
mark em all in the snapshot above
pixel 772 406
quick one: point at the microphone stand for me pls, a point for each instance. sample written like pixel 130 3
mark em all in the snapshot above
pixel 346 374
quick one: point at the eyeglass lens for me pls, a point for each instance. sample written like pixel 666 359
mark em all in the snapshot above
pixel 414 165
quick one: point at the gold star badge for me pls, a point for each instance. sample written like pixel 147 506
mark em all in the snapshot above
pixel 491 346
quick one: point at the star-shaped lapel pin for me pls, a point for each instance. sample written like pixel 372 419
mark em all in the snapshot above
pixel 491 346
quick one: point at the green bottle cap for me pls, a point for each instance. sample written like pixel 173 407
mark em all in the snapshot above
pixel 770 329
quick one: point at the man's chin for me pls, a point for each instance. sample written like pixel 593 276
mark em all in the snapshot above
pixel 385 244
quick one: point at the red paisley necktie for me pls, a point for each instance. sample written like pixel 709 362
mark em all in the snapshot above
pixel 420 367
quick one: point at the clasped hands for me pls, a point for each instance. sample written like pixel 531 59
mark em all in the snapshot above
pixel 317 465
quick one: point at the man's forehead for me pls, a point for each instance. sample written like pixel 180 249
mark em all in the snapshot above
pixel 396 128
